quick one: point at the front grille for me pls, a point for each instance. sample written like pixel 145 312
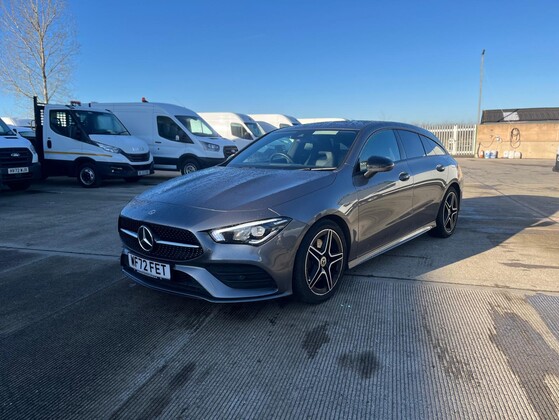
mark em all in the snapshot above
pixel 161 233
pixel 242 276
pixel 180 282
pixel 144 157
pixel 229 150
pixel 15 157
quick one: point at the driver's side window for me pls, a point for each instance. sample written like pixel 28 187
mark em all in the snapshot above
pixel 61 122
pixel 170 130
pixel 382 144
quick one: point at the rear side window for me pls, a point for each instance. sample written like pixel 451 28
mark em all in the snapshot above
pixel 431 147
pixel 412 144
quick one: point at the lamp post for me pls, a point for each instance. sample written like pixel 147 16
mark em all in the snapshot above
pixel 480 88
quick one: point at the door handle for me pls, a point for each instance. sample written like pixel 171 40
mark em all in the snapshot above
pixel 404 176
pixel 158 142
pixel 440 168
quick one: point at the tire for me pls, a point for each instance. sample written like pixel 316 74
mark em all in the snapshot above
pixel 320 263
pixel 132 179
pixel 189 165
pixel 88 177
pixel 19 186
pixel 447 218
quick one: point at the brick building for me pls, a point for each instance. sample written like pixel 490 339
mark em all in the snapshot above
pixel 534 132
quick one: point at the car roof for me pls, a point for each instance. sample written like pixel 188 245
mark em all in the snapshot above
pixel 360 125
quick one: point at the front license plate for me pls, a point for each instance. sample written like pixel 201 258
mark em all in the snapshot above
pixel 18 170
pixel 144 172
pixel 151 268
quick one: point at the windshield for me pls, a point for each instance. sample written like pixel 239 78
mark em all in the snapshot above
pixel 254 129
pixel 196 126
pixel 5 130
pixel 95 122
pixel 297 149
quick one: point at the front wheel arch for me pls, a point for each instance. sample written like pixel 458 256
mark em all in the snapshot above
pixel 184 160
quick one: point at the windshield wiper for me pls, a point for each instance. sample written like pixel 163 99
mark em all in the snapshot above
pixel 326 168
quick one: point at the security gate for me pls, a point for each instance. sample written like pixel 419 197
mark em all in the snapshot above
pixel 458 139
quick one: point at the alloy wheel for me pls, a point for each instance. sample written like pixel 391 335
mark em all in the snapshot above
pixel 324 262
pixel 450 211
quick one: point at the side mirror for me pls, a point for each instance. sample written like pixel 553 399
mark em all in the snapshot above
pixel 377 164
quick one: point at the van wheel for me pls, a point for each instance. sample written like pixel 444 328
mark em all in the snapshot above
pixel 320 262
pixel 19 186
pixel 189 165
pixel 88 177
pixel 132 179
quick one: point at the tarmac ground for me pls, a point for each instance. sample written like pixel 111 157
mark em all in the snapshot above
pixel 466 327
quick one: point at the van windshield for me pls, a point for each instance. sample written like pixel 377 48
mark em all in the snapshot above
pixel 95 122
pixel 4 129
pixel 196 126
pixel 254 129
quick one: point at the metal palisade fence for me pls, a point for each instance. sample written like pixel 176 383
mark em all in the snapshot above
pixel 458 139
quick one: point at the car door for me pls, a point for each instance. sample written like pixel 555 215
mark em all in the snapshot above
pixel 385 199
pixel 429 178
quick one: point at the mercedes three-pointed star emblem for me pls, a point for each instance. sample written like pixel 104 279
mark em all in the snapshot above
pixel 145 238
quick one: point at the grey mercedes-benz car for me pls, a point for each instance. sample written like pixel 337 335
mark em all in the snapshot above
pixel 289 213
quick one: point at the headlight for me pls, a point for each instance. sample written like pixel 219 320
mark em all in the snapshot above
pixel 210 146
pixel 252 233
pixel 108 148
pixel 32 148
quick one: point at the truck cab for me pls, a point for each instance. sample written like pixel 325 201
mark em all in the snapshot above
pixel 88 143
pixel 19 162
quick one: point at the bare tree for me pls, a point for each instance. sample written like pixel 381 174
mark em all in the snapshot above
pixel 37 46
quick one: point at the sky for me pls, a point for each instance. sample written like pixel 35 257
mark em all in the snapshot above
pixel 414 61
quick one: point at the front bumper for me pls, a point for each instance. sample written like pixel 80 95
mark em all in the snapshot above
pixel 122 170
pixel 228 273
pixel 33 174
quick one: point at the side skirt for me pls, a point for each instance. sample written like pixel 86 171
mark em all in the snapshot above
pixel 390 245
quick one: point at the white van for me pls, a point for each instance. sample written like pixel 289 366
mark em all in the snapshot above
pixel 277 120
pixel 179 139
pixel 317 120
pixel 238 127
pixel 88 143
pixel 19 162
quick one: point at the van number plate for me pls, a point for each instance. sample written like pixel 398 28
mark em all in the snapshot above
pixel 144 172
pixel 151 268
pixel 18 170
